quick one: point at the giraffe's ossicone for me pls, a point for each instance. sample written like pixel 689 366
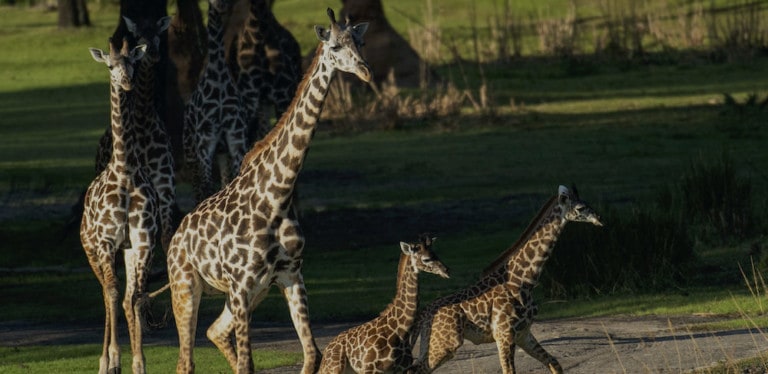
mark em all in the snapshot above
pixel 499 307
pixel 246 237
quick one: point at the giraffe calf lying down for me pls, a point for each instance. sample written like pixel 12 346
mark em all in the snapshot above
pixel 383 344
pixel 500 306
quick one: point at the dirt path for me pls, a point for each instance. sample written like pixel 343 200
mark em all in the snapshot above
pixel 583 345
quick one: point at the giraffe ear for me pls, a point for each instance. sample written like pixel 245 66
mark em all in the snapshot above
pixel 131 25
pixel 163 24
pixel 322 33
pixel 563 194
pixel 138 52
pixel 97 54
pixel 360 29
pixel 406 248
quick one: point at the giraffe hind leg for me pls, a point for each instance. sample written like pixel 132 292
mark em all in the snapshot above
pixel 220 333
pixel 296 296
pixel 137 262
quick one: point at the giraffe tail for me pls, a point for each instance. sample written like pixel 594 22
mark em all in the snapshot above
pixel 148 316
pixel 162 289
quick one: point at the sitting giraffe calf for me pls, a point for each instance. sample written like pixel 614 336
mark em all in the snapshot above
pixel 500 306
pixel 383 344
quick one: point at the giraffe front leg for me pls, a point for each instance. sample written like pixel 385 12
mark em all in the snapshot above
pixel 240 317
pixel 296 296
pixel 110 354
pixel 136 268
pixel 530 345
pixel 334 360
pixel 506 350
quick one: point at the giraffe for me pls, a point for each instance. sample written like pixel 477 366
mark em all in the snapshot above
pixel 269 62
pixel 500 306
pixel 246 237
pixel 154 140
pixel 121 212
pixel 213 117
pixel 157 154
pixel 382 345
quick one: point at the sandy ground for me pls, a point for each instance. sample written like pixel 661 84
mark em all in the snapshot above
pixel 584 345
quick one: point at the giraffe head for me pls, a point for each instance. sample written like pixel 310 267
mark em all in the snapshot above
pixel 342 44
pixel 574 209
pixel 121 62
pixel 221 6
pixel 423 258
pixel 148 33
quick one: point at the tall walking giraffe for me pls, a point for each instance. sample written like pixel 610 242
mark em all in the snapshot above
pixel 500 306
pixel 214 118
pixel 246 237
pixel 383 344
pixel 121 212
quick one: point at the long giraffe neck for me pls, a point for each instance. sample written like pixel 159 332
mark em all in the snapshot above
pixel 403 306
pixel 144 88
pixel 253 34
pixel 525 266
pixel 216 61
pixel 277 158
pixel 120 124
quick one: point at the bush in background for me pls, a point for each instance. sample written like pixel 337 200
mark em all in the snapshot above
pixel 651 248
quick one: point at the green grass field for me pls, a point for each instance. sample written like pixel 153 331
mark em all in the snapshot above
pixel 621 134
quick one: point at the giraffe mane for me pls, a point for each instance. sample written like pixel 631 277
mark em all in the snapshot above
pixel 504 256
pixel 266 140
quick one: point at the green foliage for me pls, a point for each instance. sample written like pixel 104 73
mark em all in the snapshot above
pixel 651 247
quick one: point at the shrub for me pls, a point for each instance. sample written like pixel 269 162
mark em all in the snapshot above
pixel 636 250
pixel 718 199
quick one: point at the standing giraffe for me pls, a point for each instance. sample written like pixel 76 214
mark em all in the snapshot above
pixel 155 141
pixel 156 153
pixel 500 306
pixel 269 61
pixel 214 117
pixel 121 212
pixel 246 237
pixel 383 345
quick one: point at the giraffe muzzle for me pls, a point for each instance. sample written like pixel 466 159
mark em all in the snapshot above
pixel 364 72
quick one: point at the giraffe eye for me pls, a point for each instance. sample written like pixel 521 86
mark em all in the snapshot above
pixel 336 48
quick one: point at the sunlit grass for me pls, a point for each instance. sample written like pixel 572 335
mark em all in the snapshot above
pixel 85 359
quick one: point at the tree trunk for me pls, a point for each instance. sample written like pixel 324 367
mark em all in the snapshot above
pixel 385 50
pixel 73 13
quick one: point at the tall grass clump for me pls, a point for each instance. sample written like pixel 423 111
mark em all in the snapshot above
pixel 638 249
pixel 652 247
pixel 718 200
